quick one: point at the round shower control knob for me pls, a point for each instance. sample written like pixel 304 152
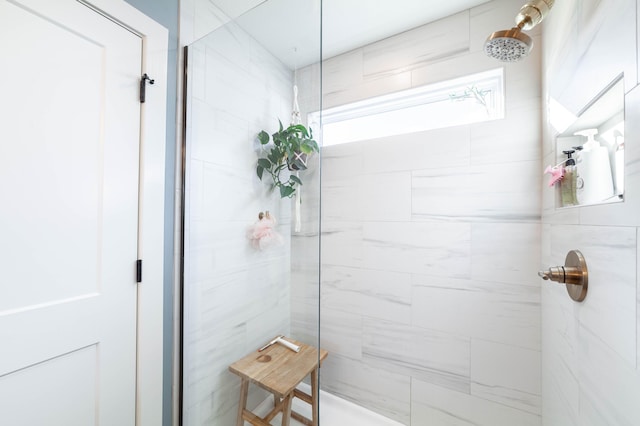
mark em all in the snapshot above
pixel 573 274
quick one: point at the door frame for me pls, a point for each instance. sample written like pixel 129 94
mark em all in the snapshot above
pixel 149 380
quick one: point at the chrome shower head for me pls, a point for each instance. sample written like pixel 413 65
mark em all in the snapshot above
pixel 513 45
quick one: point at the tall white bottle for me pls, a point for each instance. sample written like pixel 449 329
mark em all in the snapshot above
pixel 595 183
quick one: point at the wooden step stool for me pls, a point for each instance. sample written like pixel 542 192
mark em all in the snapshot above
pixel 279 370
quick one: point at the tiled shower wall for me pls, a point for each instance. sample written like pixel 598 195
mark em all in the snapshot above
pixel 236 297
pixel 430 301
pixel 590 350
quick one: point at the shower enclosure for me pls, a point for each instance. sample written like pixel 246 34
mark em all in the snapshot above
pixel 245 281
pixel 419 273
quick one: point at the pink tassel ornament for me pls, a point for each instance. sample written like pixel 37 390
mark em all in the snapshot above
pixel 262 234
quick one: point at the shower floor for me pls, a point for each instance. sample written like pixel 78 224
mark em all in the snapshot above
pixel 334 411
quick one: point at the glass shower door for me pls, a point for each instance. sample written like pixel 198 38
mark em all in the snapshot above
pixel 250 250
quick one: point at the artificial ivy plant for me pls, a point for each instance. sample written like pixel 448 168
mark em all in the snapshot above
pixel 289 150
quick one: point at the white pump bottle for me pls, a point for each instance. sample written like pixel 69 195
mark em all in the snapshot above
pixel 595 183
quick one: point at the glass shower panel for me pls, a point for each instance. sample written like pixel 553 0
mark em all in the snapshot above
pixel 251 256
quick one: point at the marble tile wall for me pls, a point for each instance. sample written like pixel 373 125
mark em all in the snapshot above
pixel 590 351
pixel 236 297
pixel 430 243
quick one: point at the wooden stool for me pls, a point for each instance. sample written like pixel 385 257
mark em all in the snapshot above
pixel 279 370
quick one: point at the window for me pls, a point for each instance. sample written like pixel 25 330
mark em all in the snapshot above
pixel 470 99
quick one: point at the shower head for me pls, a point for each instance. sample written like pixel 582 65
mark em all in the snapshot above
pixel 513 45
pixel 508 45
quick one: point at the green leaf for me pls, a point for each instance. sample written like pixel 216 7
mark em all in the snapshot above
pixel 299 128
pixel 273 157
pixel 260 171
pixel 281 128
pixel 286 191
pixel 306 148
pixel 264 163
pixel 295 179
pixel 313 144
pixel 263 137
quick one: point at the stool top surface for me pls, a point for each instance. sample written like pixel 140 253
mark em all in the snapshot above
pixel 283 371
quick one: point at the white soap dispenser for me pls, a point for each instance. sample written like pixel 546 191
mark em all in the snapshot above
pixel 594 171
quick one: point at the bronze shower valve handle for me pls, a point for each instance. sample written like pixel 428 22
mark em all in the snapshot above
pixel 574 274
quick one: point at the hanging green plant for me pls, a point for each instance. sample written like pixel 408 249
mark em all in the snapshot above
pixel 290 149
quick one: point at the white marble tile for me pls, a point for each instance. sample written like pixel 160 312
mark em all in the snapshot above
pixel 441 249
pixel 413 47
pixel 561 216
pixel 263 326
pixel 195 191
pixel 386 197
pixel 506 374
pixel 206 18
pixel 310 82
pixel 434 405
pixel 197 78
pixel 430 149
pixel 235 8
pixel 245 196
pixel 305 273
pixel 506 253
pixel 342 243
pixel 609 310
pixel 609 386
pixel 342 289
pixel 381 391
pixel 343 200
pixel 369 88
pixel 341 332
pixel 515 138
pixel 589 46
pixel 386 295
pixel 342 73
pixel 429 355
pixel 244 93
pixel 452 67
pixel 305 323
pixel 504 313
pixel 344 161
pixel 215 136
pixel 231 251
pixel 210 355
pixel 478 193
pixel 555 407
pixel 560 379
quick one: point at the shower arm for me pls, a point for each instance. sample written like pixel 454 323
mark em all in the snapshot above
pixel 532 13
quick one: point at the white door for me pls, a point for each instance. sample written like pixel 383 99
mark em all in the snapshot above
pixel 69 147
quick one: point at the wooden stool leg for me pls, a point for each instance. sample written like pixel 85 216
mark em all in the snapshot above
pixel 286 409
pixel 314 397
pixel 244 390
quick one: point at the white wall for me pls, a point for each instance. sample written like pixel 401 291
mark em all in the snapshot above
pixel 236 297
pixel 430 302
pixel 590 350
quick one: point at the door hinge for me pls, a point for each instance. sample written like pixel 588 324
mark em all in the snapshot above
pixel 143 86
pixel 139 271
